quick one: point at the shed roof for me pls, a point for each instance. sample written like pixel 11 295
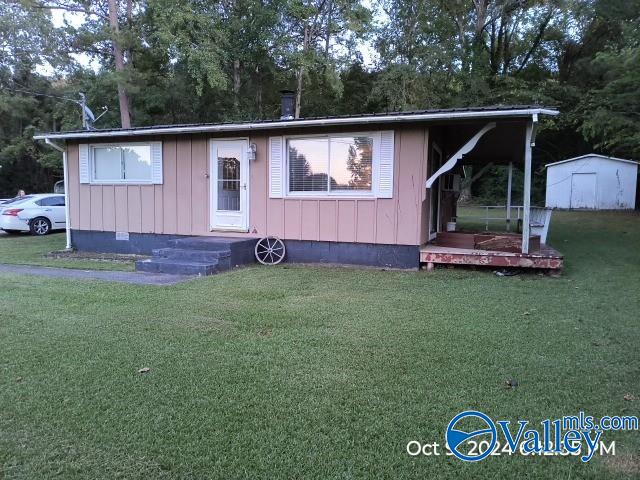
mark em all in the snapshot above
pixel 433 115
pixel 591 155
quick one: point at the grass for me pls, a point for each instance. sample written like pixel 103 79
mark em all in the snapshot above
pixel 30 250
pixel 301 372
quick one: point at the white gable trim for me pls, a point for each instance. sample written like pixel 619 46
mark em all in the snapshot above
pixel 591 155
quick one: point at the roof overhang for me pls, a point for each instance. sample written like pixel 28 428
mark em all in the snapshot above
pixel 319 122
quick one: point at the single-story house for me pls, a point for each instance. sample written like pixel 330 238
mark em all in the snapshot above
pixel 592 182
pixel 361 189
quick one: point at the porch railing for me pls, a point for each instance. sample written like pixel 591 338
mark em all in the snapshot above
pixel 486 214
pixel 491 213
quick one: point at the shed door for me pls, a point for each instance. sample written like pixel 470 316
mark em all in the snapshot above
pixel 583 190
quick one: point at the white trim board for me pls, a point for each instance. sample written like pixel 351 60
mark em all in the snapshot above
pixel 588 155
pixel 273 125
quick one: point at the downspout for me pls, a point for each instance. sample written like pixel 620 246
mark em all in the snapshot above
pixel 65 172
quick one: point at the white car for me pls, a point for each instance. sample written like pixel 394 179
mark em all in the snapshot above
pixel 38 214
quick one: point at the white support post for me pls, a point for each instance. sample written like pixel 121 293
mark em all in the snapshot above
pixel 526 213
pixel 67 228
pixel 509 180
pixel 65 172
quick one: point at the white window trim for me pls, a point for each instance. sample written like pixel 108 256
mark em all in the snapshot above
pixel 128 181
pixel 334 194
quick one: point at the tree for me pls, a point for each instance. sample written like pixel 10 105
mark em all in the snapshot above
pixel 313 27
pixel 107 34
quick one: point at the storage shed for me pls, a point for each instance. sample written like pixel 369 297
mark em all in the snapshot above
pixel 592 181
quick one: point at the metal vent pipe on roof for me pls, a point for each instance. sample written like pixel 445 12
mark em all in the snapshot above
pixel 287 104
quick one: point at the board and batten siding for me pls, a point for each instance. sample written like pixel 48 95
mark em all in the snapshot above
pixel 180 206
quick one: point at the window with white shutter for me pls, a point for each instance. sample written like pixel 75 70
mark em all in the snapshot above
pixel 385 165
pixel 156 163
pixel 122 163
pixel 345 164
pixel 83 167
pixel 276 168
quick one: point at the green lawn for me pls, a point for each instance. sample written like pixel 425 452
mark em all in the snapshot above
pixel 29 250
pixel 301 372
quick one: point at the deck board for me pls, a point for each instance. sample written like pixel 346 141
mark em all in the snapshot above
pixel 545 258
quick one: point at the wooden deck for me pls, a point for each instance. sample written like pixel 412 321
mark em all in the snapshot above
pixel 457 253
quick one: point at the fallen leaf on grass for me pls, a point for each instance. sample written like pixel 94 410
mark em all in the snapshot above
pixel 265 332
pixel 18 380
pixel 511 383
pixel 629 397
pixel 144 370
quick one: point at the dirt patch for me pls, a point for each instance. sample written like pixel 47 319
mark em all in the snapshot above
pixel 96 257
pixel 624 464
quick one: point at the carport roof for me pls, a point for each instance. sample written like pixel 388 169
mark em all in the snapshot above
pixel 433 115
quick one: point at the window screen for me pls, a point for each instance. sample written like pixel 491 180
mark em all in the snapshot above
pixel 330 164
pixel 121 163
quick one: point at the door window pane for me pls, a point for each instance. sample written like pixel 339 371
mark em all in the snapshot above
pixel 308 165
pixel 351 163
pixel 137 162
pixel 228 181
pixel 107 163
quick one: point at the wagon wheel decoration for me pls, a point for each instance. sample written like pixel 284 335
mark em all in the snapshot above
pixel 270 250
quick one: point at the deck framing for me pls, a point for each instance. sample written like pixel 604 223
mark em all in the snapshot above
pixel 546 258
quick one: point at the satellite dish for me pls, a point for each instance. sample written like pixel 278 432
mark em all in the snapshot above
pixel 89 113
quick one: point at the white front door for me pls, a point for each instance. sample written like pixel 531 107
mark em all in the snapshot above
pixel 229 185
pixel 583 190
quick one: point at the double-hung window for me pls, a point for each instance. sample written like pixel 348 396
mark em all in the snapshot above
pixel 340 164
pixel 122 163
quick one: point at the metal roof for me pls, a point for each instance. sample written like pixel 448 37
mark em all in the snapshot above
pixel 591 155
pixel 490 112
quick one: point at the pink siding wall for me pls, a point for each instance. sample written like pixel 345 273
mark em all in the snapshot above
pixel 181 204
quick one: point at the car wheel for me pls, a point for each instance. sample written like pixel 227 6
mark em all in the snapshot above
pixel 39 226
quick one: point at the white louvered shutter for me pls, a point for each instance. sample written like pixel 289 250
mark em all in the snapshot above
pixel 385 165
pixel 276 167
pixel 83 168
pixel 156 163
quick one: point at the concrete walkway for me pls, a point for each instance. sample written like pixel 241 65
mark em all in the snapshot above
pixel 139 278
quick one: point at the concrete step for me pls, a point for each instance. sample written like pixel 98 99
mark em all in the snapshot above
pixel 177 266
pixel 192 255
pixel 202 243
pixel 213 243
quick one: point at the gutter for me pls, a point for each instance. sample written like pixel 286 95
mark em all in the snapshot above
pixel 65 170
pixel 272 125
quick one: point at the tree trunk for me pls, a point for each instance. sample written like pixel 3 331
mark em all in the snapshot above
pixel 300 74
pixel 259 92
pixel 130 27
pixel 327 40
pixel 236 84
pixel 123 96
